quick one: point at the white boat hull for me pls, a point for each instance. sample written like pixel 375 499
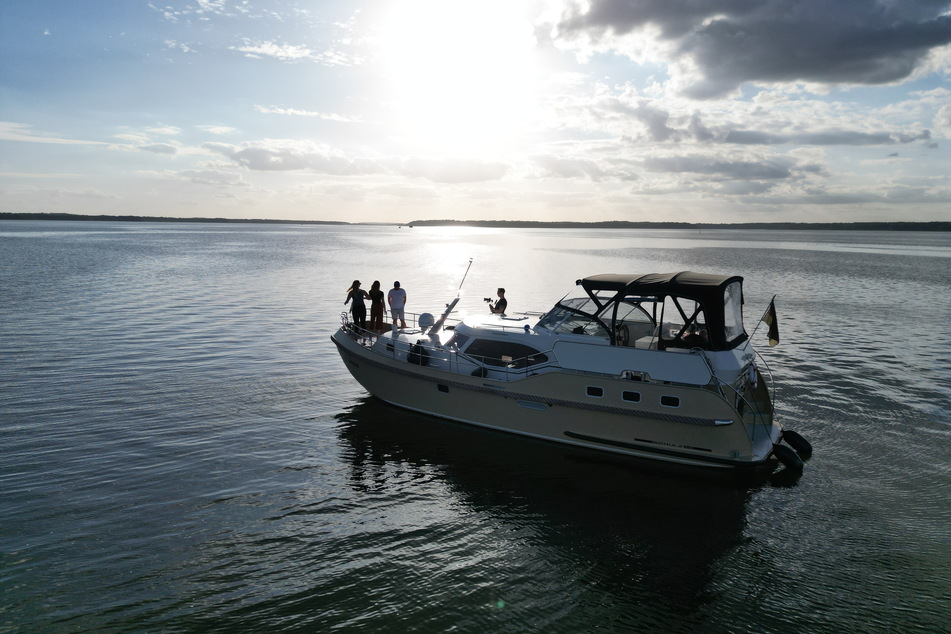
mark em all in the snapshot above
pixel 563 406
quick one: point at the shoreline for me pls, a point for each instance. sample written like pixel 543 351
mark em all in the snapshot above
pixel 515 224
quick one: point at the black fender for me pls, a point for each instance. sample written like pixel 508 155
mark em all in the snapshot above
pixel 789 458
pixel 797 442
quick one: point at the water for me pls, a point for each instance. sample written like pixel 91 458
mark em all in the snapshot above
pixel 183 450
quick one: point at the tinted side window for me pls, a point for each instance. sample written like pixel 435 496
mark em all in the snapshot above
pixel 457 341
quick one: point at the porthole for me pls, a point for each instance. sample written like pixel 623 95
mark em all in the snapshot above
pixel 631 397
pixel 442 388
pixel 670 401
pixel 594 391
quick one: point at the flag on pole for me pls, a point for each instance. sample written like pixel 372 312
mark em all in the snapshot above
pixel 769 317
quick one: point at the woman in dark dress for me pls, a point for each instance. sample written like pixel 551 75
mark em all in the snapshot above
pixel 377 307
pixel 359 309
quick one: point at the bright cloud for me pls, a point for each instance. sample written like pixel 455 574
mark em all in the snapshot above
pixel 296 112
pixel 216 129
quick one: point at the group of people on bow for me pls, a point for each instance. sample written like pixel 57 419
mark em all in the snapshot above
pixel 396 299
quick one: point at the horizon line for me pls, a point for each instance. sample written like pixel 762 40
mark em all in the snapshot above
pixel 882 225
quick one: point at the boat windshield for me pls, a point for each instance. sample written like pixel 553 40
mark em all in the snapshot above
pixel 575 316
pixel 631 309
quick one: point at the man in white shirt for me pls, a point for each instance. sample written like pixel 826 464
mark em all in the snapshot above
pixel 396 298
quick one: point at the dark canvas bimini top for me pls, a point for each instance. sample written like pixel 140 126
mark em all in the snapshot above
pixel 704 287
pixel 708 290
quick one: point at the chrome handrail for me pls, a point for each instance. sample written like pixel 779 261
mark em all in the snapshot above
pixel 503 327
pixel 759 420
pixel 713 375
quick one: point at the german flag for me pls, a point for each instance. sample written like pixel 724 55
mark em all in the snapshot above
pixel 769 317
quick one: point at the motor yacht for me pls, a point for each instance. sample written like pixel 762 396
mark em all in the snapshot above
pixel 656 366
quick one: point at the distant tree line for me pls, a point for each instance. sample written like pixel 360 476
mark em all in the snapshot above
pixel 516 224
pixel 621 224
pixel 67 216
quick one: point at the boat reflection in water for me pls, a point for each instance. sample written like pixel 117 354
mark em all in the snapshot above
pixel 552 515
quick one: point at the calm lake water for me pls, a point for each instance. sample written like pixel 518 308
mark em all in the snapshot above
pixel 181 448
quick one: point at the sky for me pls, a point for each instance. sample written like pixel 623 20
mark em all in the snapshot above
pixel 399 110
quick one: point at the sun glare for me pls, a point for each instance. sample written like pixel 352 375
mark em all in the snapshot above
pixel 460 74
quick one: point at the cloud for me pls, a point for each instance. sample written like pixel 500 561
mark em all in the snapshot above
pixel 290 155
pixel 453 171
pixel 828 137
pixel 943 118
pixel 293 53
pixel 888 194
pixel 10 131
pixel 40 175
pixel 765 169
pixel 168 130
pixel 180 46
pixel 213 177
pixel 159 148
pixel 295 112
pixel 744 188
pixel 773 119
pixel 133 137
pixel 557 167
pixel 283 52
pixel 655 120
pixel 203 10
pixel 200 176
pixel 61 192
pixel 216 129
pixel 717 45
pixel 277 155
pixel 660 126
